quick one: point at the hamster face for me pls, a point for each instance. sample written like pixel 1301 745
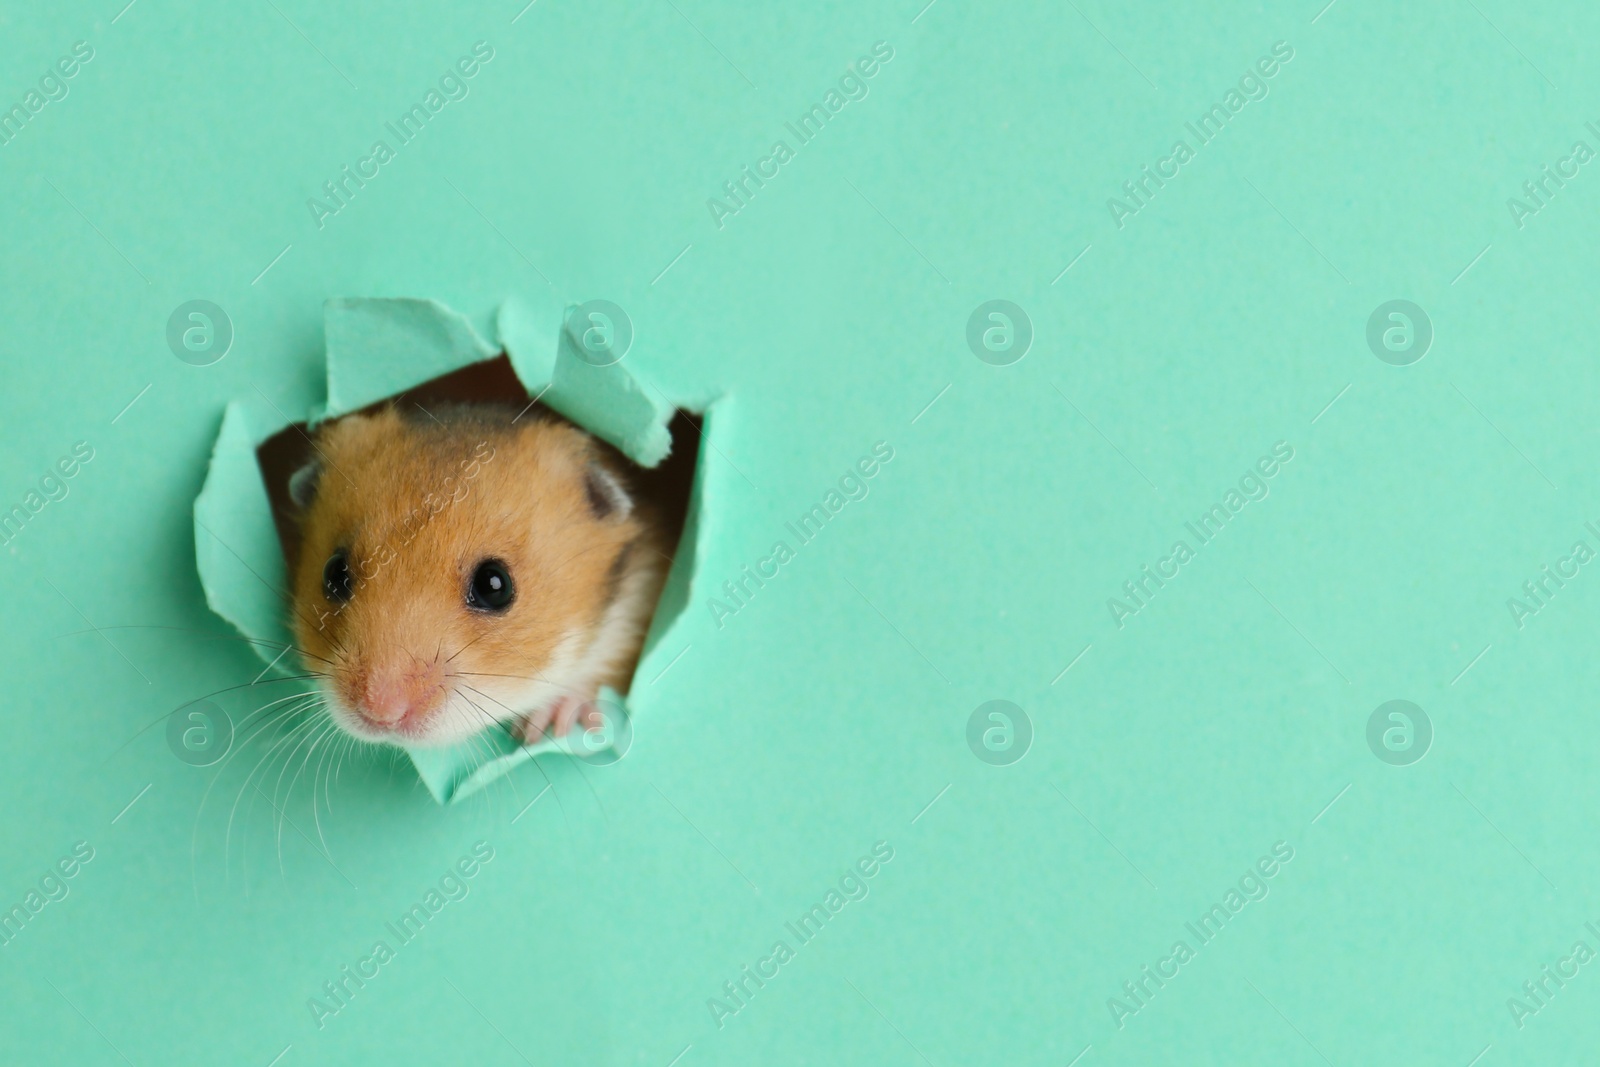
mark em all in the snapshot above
pixel 453 575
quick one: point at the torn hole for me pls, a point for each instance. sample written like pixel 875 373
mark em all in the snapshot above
pixel 425 360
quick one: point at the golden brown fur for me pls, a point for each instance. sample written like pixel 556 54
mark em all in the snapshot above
pixel 417 501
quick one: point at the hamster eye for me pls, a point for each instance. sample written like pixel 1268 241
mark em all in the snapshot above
pixel 491 588
pixel 338 584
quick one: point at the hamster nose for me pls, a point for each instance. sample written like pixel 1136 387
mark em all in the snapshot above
pixel 392 699
pixel 383 704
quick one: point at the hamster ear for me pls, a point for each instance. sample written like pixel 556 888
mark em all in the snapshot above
pixel 303 484
pixel 608 500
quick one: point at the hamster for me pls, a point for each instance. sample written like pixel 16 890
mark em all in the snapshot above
pixel 462 566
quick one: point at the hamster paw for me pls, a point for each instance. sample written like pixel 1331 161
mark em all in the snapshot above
pixel 533 725
pixel 559 715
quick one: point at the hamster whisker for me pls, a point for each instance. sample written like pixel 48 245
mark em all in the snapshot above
pixel 348 746
pixel 294 609
pixel 315 696
pixel 288 740
pixel 474 741
pixel 513 713
pixel 227 840
pixel 489 720
pixel 487 697
pixel 268 717
pixel 333 772
pixel 207 635
pixel 523 677
pixel 481 740
pixel 322 729
pixel 283 814
pixel 240 743
pixel 344 747
pixel 321 765
pixel 164 715
pixel 469 644
pixel 282 594
pixel 543 773
pixel 251 685
pixel 606 814
pixel 255 729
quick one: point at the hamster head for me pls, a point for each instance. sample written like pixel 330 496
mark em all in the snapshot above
pixel 458 568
